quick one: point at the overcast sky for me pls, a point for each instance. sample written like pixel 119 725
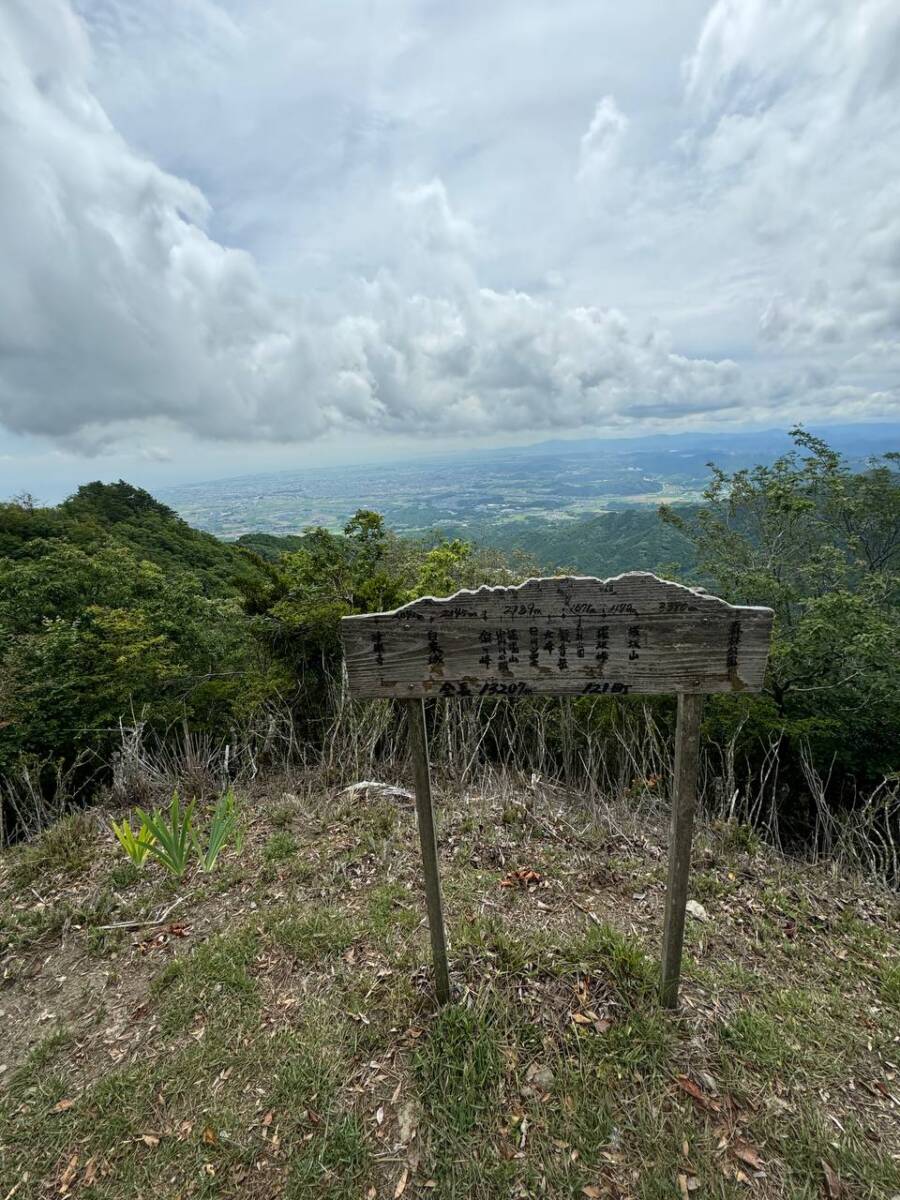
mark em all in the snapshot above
pixel 241 234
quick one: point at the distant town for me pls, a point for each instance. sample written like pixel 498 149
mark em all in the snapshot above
pixel 484 492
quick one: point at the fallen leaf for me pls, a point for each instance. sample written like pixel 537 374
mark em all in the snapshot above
pixel 401 1184
pixel 408 1119
pixel 696 910
pixel 833 1186
pixel 379 1115
pixel 708 1082
pixel 209 1136
pixel 68 1175
pixel 748 1155
pixel 63 1105
pixel 150 1139
pixel 523 877
pixel 540 1076
pixel 688 1085
pixel 591 1190
pixel 697 1093
pixel 90 1172
pixel 268 1118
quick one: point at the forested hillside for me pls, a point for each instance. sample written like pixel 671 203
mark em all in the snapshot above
pixel 116 615
pixel 605 544
pixel 118 620
pixel 99 513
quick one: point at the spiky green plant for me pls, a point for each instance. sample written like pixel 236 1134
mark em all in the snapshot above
pixel 173 835
pixel 222 828
pixel 136 846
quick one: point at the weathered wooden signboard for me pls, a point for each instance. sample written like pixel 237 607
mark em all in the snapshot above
pixel 631 635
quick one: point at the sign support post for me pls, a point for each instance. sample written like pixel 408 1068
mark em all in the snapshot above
pixel 418 744
pixel 684 802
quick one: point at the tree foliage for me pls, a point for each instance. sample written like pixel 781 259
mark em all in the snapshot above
pixel 820 544
pixel 113 610
pixel 91 639
pixel 367 568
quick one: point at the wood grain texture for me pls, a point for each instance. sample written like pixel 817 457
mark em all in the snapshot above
pixel 418 743
pixel 568 635
pixel 684 803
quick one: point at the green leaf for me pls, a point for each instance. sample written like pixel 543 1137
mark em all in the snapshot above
pixel 174 836
pixel 222 826
pixel 135 847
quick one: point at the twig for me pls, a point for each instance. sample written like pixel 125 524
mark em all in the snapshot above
pixel 143 924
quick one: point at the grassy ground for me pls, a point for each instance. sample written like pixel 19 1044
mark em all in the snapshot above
pixel 268 1029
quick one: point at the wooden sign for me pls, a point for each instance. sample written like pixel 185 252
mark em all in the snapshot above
pixel 567 636
pixel 634 634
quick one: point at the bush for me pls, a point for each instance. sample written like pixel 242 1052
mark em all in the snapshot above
pixel 63 848
pixel 820 544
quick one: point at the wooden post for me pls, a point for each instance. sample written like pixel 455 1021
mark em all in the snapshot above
pixel 684 801
pixel 418 741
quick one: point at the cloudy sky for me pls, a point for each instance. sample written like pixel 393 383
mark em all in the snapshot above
pixel 242 234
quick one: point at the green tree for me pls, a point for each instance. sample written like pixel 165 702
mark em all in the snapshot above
pixel 89 639
pixel 332 576
pixel 442 567
pixel 820 544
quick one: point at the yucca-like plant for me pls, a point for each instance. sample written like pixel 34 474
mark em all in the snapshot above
pixel 136 846
pixel 222 829
pixel 173 835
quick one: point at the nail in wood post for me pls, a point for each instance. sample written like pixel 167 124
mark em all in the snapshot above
pixel 418 741
pixel 684 801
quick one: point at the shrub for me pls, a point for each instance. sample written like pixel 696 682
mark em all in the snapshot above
pixel 65 847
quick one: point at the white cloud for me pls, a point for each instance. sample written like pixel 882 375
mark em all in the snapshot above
pixel 600 144
pixel 257 222
pixel 801 150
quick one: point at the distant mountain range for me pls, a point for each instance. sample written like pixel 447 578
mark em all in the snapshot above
pixel 852 440
pixel 477 491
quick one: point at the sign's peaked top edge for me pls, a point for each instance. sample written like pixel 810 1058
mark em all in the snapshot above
pixel 698 594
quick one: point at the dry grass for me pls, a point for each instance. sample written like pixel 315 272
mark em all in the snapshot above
pixel 274 1032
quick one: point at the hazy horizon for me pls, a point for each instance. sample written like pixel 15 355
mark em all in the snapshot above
pixel 167 479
